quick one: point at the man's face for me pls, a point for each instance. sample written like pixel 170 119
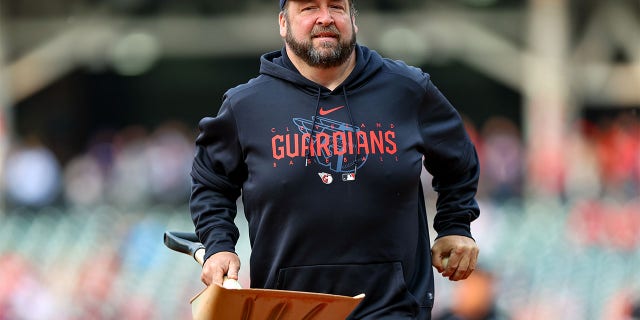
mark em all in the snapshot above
pixel 321 32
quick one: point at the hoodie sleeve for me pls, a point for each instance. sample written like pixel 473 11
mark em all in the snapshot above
pixel 217 176
pixel 451 158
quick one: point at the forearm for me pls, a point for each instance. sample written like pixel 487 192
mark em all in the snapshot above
pixel 213 215
pixel 456 205
pixel 217 176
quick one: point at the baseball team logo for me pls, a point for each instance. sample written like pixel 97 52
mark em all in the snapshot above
pixel 338 147
pixel 338 140
pixel 326 178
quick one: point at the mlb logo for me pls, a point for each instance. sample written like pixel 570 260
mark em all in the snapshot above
pixel 349 176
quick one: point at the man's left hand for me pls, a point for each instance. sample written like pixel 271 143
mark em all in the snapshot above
pixel 461 254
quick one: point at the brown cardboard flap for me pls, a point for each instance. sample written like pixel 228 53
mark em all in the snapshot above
pixel 216 302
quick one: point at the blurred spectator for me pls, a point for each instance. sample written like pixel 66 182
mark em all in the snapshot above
pixel 582 178
pixel 132 168
pixel 32 176
pixel 128 183
pixel 169 155
pixel 474 299
pixel 502 160
pixel 624 305
pixel 22 295
pixel 618 150
pixel 84 181
pixel 101 148
pixel 608 224
pixel 95 285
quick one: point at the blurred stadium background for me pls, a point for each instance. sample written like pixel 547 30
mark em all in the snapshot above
pixel 100 99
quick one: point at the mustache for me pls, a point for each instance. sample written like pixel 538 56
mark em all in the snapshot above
pixel 331 31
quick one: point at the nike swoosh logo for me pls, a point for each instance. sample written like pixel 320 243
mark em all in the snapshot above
pixel 324 112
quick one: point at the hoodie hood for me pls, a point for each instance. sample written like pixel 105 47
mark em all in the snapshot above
pixel 278 65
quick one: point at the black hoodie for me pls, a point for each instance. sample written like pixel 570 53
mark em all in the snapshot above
pixel 330 181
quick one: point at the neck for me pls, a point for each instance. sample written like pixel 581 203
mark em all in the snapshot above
pixel 330 78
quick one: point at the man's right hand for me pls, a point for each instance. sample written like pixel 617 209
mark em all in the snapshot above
pixel 219 265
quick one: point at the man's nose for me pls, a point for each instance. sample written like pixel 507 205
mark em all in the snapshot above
pixel 324 17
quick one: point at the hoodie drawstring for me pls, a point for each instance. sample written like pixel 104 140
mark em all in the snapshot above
pixel 355 129
pixel 313 128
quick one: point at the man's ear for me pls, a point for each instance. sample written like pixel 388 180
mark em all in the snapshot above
pixel 282 22
pixel 355 26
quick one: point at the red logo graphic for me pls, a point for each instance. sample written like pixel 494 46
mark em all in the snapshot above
pixel 326 178
pixel 324 112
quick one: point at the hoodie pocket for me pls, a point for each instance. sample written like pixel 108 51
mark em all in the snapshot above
pixel 382 283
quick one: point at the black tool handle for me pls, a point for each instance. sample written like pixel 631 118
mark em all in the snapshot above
pixel 185 242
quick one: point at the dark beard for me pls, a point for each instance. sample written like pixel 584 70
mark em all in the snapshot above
pixel 334 57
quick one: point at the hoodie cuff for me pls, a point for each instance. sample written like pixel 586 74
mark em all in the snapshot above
pixel 213 245
pixel 208 253
pixel 456 231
